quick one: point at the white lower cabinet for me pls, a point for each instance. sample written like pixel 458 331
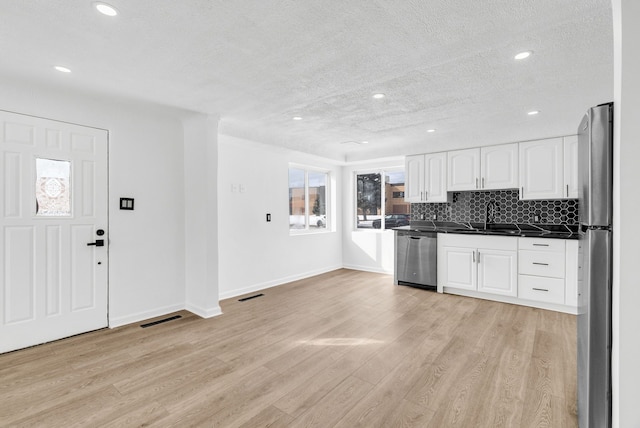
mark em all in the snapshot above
pixel 478 263
pixel 539 272
pixel 550 290
pixel 498 271
pixel 459 267
pixel 541 269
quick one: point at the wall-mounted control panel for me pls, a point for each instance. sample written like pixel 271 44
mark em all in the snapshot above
pixel 126 204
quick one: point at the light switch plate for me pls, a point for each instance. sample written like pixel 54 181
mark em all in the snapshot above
pixel 126 204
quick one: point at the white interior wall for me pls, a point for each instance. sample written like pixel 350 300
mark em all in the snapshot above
pixel 365 249
pixel 255 254
pixel 146 253
pixel 626 251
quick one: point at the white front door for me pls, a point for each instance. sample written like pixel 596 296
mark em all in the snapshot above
pixel 53 206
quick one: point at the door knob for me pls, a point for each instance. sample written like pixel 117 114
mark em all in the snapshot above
pixel 98 243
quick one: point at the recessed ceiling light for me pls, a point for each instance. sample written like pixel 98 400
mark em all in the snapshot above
pixel 365 142
pixel 533 112
pixel 431 130
pixel 296 118
pixel 523 55
pixel 378 96
pixel 106 9
pixel 62 69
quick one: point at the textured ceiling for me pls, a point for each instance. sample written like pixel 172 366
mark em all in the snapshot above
pixel 443 64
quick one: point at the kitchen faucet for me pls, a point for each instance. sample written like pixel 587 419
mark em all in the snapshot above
pixel 487 212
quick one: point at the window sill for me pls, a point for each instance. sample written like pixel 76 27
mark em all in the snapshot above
pixel 301 232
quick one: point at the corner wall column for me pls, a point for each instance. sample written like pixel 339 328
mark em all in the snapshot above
pixel 201 215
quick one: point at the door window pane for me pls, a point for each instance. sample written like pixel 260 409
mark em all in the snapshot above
pixel 53 188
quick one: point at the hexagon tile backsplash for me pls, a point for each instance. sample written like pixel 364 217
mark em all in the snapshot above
pixel 470 206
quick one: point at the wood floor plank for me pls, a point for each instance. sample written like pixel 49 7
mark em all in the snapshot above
pixel 342 349
pixel 270 417
pixel 331 408
pixel 308 394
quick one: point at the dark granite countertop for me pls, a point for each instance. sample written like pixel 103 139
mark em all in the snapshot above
pixel 495 229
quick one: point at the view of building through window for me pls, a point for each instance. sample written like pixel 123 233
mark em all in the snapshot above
pixel 371 190
pixel 307 199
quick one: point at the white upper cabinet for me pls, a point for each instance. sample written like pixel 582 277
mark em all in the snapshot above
pixel 542 169
pixel 486 168
pixel 463 170
pixel 499 167
pixel 435 177
pixel 426 177
pixel 414 178
pixel 571 166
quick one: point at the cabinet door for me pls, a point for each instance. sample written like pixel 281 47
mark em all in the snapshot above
pixel 499 167
pixel 541 169
pixel 414 178
pixel 498 272
pixel 571 166
pixel 435 177
pixel 459 268
pixel 463 170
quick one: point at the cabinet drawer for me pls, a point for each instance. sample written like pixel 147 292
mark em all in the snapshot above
pixel 550 290
pixel 541 244
pixel 541 263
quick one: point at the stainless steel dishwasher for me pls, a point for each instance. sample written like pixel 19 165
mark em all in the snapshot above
pixel 416 261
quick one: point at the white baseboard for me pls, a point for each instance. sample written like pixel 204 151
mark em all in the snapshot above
pixel 141 316
pixel 275 282
pixel 204 312
pixel 513 300
pixel 368 269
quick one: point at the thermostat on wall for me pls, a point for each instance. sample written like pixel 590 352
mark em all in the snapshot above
pixel 126 204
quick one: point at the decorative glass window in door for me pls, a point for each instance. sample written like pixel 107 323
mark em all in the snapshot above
pixel 53 188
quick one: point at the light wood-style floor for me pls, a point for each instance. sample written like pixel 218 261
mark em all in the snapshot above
pixel 343 349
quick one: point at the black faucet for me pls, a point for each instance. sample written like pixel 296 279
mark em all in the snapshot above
pixel 488 212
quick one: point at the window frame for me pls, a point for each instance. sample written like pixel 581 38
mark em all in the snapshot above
pixel 307 208
pixel 383 172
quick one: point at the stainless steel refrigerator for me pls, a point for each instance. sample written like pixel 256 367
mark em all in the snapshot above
pixel 595 165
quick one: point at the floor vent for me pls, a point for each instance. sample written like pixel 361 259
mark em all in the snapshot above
pixel 250 297
pixel 175 317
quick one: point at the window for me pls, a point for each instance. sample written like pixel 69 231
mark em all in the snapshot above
pixel 308 199
pixel 53 188
pixel 378 201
